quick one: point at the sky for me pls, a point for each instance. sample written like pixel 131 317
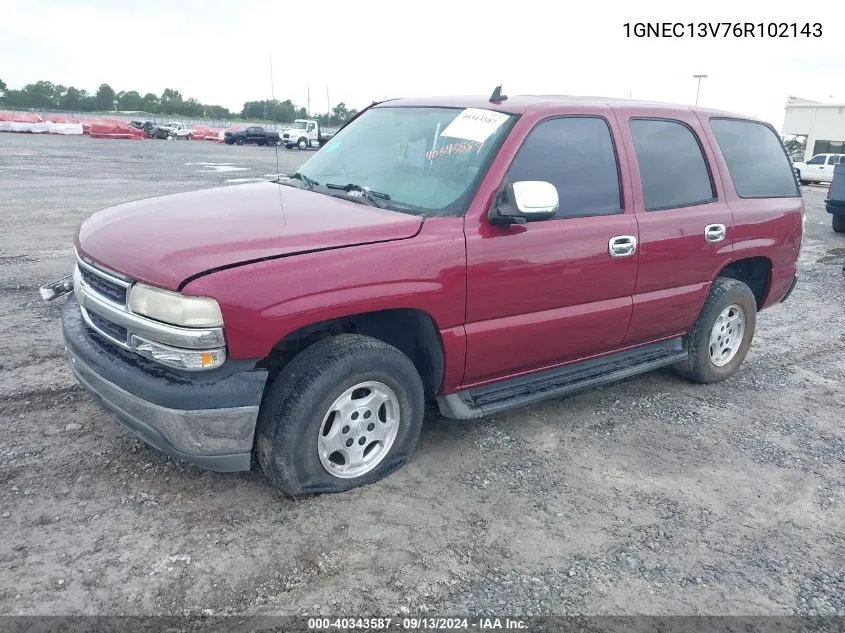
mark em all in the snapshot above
pixel 219 51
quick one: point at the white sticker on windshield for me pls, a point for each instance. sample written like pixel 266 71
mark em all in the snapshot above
pixel 475 124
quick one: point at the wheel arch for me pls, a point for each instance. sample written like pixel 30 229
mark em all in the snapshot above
pixel 410 330
pixel 755 272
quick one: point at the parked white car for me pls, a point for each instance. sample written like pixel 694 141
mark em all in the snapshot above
pixel 172 131
pixel 818 169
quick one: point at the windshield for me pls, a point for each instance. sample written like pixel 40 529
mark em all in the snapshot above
pixel 413 155
pixel 299 125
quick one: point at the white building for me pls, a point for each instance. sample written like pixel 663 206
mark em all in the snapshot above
pixel 822 123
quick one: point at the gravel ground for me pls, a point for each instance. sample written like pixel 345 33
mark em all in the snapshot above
pixel 653 496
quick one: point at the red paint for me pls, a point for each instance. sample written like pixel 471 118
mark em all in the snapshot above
pixel 165 240
pixel 505 300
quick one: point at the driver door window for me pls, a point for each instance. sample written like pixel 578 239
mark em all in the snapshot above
pixel 576 155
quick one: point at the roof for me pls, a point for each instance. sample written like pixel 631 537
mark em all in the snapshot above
pixel 814 105
pixel 519 104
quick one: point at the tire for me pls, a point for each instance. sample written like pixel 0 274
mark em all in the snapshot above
pixel 727 297
pixel 170 137
pixel 239 140
pixel 296 411
pixel 288 145
pixel 801 180
pixel 839 223
pixel 302 144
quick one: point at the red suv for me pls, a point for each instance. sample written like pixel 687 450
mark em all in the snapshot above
pixel 483 254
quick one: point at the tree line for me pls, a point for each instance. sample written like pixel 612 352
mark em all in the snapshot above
pixel 45 95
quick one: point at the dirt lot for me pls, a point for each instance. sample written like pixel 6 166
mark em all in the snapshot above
pixel 651 496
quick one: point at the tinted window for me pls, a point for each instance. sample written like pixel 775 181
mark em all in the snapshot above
pixel 672 167
pixel 756 160
pixel 833 160
pixel 576 155
pixel 816 160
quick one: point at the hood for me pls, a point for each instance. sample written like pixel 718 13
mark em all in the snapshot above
pixel 165 240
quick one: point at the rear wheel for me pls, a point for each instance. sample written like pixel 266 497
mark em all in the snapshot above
pixel 839 223
pixel 721 336
pixel 344 413
pixel 801 180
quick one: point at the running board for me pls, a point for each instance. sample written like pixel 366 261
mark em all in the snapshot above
pixel 561 381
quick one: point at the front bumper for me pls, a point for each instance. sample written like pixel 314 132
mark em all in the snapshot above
pixel 836 207
pixel 207 418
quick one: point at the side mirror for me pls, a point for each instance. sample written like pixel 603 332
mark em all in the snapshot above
pixel 524 201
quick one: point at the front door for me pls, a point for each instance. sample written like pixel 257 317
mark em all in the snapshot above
pixel 814 168
pixel 553 291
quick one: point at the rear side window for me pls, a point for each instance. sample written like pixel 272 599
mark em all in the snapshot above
pixel 757 162
pixel 672 167
pixel 576 155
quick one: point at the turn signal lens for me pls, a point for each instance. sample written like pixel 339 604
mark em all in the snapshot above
pixel 179 358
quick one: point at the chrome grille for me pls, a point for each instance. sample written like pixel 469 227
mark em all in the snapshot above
pixel 107 285
pixel 103 286
pixel 112 330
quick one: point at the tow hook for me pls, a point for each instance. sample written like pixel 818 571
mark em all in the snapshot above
pixel 56 289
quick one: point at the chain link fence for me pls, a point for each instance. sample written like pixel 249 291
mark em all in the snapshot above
pixel 274 126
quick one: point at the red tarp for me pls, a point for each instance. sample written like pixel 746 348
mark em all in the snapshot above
pixel 203 133
pixel 111 128
pixel 20 117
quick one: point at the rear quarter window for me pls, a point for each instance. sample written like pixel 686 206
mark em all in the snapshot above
pixel 757 162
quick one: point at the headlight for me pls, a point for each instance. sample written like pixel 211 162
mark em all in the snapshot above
pixel 174 308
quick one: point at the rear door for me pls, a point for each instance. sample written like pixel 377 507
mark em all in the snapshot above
pixel 684 220
pixel 549 292
pixel 830 163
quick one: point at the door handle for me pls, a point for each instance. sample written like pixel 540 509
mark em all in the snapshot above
pixel 714 232
pixel 622 245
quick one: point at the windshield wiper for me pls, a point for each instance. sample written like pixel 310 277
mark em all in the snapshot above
pixel 310 183
pixel 375 197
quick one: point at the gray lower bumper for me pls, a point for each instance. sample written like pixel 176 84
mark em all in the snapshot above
pixel 218 439
pixel 207 418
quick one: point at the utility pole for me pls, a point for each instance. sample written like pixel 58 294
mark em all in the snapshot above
pixel 272 88
pixel 328 109
pixel 698 89
pixel 308 96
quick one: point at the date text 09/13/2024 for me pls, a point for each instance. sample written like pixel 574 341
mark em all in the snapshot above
pixel 722 29
pixel 417 624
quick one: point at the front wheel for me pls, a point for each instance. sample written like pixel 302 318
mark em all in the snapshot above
pixel 801 180
pixel 721 336
pixel 839 223
pixel 303 144
pixel 344 413
pixel 239 141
